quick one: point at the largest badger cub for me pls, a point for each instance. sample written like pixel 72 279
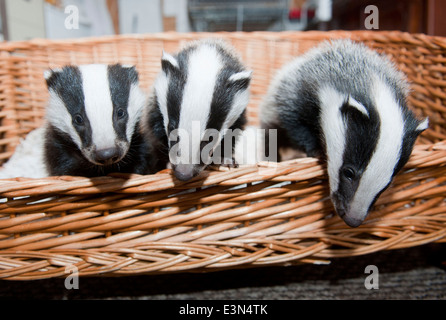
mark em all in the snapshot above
pixel 92 121
pixel 346 103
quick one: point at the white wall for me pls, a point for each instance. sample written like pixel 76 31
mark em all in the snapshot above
pixel 36 18
pixel 178 8
pixel 25 19
pixel 140 16
pixel 94 19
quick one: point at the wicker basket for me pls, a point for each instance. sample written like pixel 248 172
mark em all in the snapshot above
pixel 246 217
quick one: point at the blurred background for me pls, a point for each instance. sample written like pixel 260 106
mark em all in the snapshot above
pixel 58 19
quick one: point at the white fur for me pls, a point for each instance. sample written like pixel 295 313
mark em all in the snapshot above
pixel 170 58
pixel 334 127
pixel 27 160
pixel 161 87
pixel 204 66
pixel 241 75
pixel 137 102
pixel 387 153
pixel 98 104
pixel 423 125
pixel 249 148
pixel 47 74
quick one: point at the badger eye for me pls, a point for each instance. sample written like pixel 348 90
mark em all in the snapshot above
pixel 348 173
pixel 78 119
pixel 121 113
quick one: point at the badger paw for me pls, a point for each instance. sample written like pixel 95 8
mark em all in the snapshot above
pixel 229 163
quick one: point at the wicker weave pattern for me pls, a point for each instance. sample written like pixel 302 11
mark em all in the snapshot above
pixel 255 215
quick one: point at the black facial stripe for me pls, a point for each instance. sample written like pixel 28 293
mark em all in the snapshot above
pixel 406 150
pixel 409 138
pixel 223 97
pixel 177 81
pixel 362 135
pixel 120 80
pixel 68 86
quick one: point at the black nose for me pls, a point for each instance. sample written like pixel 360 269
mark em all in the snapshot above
pixel 184 172
pixel 351 221
pixel 107 156
pixel 348 218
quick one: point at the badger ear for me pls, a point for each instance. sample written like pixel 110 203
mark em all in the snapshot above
pixel 241 79
pixel 422 125
pixel 132 73
pixel 242 75
pixel 168 62
pixel 358 106
pixel 48 75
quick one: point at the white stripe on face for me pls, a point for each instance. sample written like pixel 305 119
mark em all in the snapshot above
pixel 136 103
pixel 161 89
pixel 59 117
pixel 333 127
pixel 387 152
pixel 204 66
pixel 98 105
pixel 239 103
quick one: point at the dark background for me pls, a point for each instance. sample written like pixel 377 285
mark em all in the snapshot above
pixel 413 273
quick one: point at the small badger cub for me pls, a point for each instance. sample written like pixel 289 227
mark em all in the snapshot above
pixel 197 104
pixel 92 121
pixel 347 104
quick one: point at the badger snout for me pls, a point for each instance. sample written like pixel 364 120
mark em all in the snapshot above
pixel 353 218
pixel 185 172
pixel 349 218
pixel 107 156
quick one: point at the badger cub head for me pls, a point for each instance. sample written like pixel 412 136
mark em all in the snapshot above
pixel 368 139
pixel 97 107
pixel 201 92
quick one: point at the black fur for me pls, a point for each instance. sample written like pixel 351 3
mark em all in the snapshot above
pixel 63 157
pixel 120 79
pixel 224 95
pixel 178 78
pixel 158 137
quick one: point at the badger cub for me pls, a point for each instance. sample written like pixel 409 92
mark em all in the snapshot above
pixel 347 104
pixel 92 121
pixel 197 104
